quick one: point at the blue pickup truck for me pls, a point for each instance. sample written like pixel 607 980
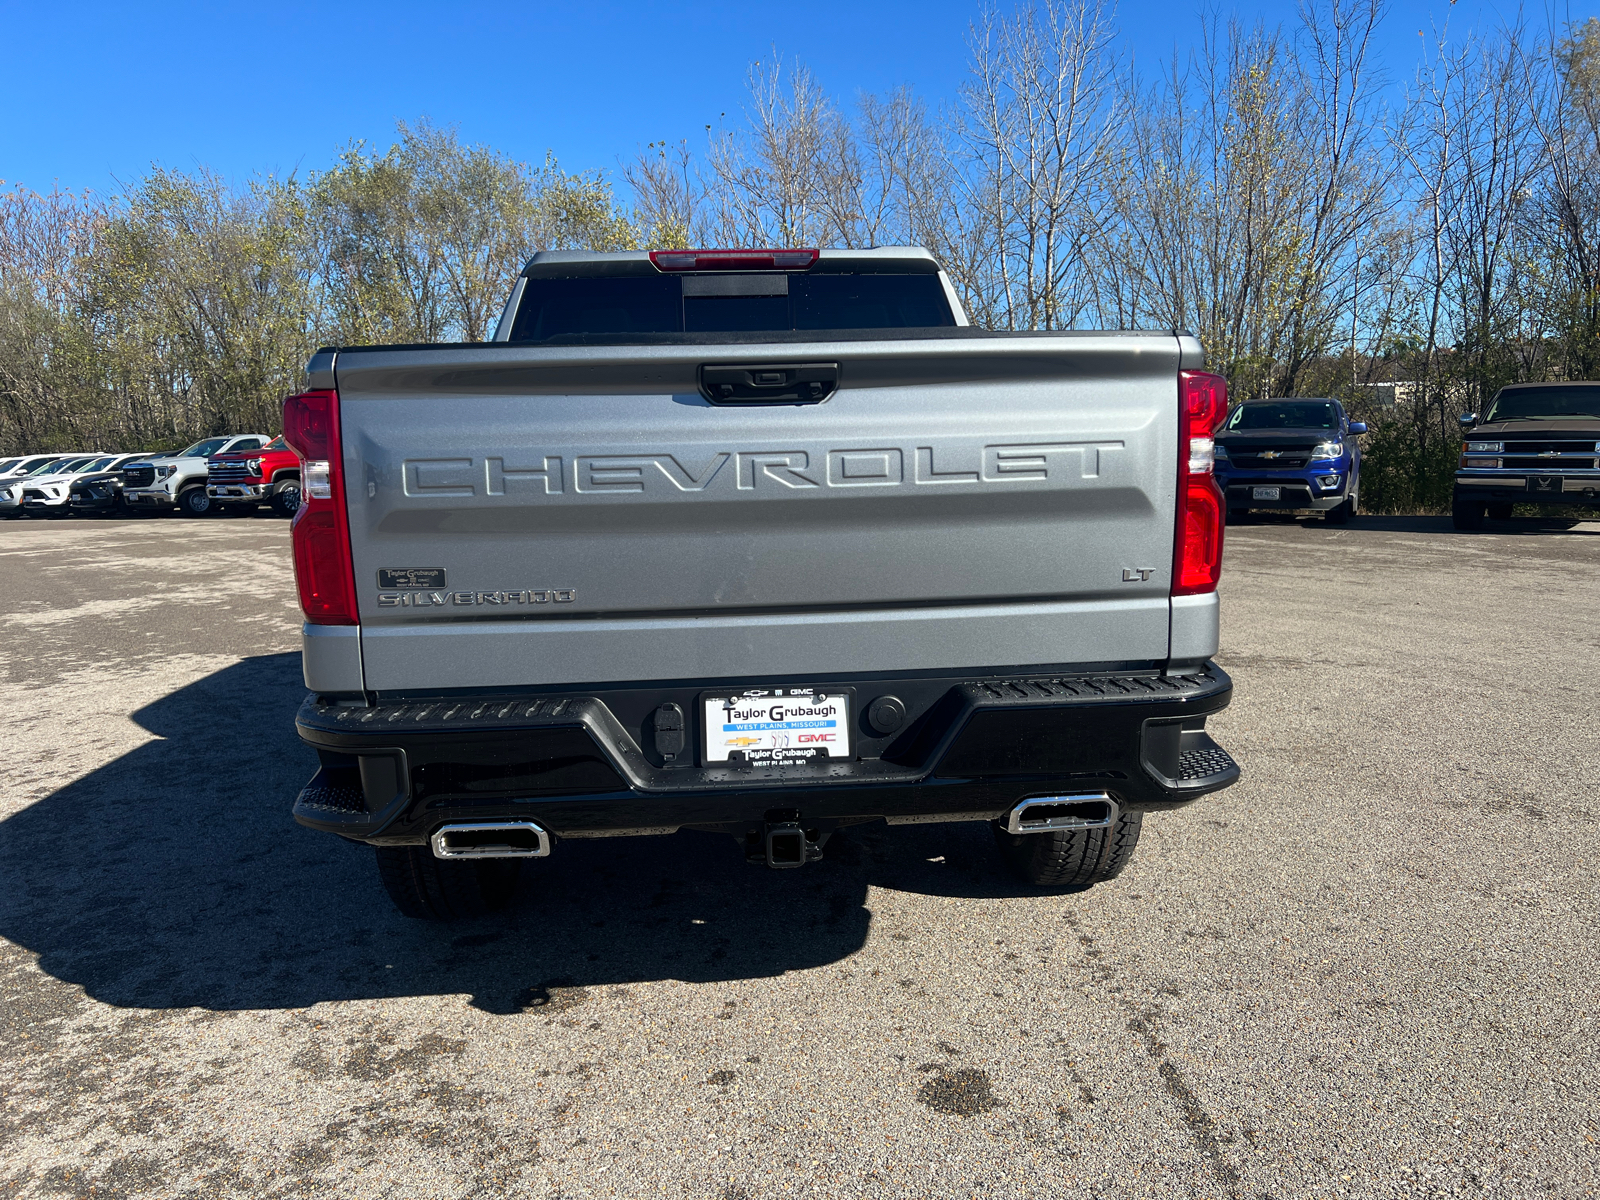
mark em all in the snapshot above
pixel 1295 455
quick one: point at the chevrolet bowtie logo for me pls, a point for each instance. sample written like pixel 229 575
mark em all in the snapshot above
pixel 1271 454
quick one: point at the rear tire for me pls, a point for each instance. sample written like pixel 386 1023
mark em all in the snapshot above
pixel 435 889
pixel 1071 858
pixel 1467 514
pixel 195 502
pixel 1499 512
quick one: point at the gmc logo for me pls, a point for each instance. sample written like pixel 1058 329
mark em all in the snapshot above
pixel 769 471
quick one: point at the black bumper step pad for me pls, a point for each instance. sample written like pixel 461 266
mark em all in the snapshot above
pixel 1205 763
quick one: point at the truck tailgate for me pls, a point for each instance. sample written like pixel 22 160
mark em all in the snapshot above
pixel 537 515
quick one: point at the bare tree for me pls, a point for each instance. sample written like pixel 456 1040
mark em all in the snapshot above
pixel 1496 157
pixel 791 178
pixel 1037 120
pixel 665 195
pixel 1564 218
pixel 1249 193
pixel 1344 219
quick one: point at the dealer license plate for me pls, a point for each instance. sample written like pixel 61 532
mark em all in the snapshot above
pixel 1266 493
pixel 774 725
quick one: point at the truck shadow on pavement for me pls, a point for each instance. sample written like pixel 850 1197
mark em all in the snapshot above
pixel 175 877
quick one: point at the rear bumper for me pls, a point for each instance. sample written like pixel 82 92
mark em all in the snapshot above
pixel 583 765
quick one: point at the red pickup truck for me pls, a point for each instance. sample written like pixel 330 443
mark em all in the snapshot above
pixel 250 478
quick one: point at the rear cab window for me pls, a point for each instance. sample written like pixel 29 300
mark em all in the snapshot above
pixel 563 308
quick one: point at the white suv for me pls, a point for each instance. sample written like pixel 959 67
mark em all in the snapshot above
pixel 15 468
pixel 40 466
pixel 47 493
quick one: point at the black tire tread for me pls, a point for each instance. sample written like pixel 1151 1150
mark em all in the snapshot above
pixel 431 889
pixel 1072 858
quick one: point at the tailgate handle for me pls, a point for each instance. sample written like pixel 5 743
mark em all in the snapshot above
pixel 769 383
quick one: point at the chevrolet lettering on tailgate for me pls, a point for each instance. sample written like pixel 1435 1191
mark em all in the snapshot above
pixel 950 465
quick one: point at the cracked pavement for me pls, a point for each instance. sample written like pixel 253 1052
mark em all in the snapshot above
pixel 1366 970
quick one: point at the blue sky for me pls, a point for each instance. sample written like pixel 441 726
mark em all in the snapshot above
pixel 97 92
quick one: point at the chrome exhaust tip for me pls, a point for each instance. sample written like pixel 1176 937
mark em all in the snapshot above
pixel 491 839
pixel 1045 814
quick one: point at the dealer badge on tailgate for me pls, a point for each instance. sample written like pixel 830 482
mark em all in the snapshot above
pixel 775 725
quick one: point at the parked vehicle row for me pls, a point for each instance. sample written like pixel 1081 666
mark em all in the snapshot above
pixel 42 482
pixel 237 472
pixel 1537 443
pixel 181 480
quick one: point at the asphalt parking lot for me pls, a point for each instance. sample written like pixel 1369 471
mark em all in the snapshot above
pixel 1367 970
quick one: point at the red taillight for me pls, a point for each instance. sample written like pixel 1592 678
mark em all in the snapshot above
pixel 321 529
pixel 1197 539
pixel 311 424
pixel 733 260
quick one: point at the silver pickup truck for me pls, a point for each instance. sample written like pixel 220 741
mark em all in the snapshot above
pixel 769 543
